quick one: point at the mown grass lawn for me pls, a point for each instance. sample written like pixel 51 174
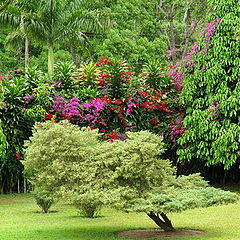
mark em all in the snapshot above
pixel 21 220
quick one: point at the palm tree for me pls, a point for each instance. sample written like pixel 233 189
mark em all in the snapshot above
pixel 19 37
pixel 19 15
pixel 66 20
pixel 52 21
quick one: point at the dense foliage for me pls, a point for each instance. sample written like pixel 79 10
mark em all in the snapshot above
pixel 113 96
pixel 106 95
pixel 128 175
pixel 135 31
pixel 211 91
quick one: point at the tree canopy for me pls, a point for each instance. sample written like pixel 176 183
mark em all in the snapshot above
pixel 211 91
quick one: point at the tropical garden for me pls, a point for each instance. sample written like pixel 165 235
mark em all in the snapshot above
pixel 117 115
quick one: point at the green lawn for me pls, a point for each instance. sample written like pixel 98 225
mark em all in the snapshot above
pixel 21 220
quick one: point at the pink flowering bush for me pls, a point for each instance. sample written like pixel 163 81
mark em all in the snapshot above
pixel 123 103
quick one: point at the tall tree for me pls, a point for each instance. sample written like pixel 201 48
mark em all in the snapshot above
pixel 64 20
pixel 19 15
pixel 212 89
pixel 180 18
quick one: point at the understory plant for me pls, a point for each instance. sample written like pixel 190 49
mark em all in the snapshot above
pixel 129 175
pixel 44 199
pixel 88 206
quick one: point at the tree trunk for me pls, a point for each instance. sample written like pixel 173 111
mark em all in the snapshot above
pixel 26 54
pixel 172 39
pixel 188 30
pixel 24 185
pixel 163 223
pixel 18 186
pixel 50 60
pixel 74 56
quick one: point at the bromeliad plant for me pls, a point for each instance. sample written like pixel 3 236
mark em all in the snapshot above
pixel 114 77
pixel 124 101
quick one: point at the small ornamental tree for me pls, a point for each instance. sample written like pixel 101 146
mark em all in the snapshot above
pixel 59 148
pixel 127 175
pixel 211 90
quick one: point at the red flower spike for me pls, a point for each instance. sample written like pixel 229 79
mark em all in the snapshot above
pixel 147 105
pixel 18 155
pixel 120 115
pixel 118 101
pixel 154 121
pixel 113 108
pixel 102 61
pixel 112 135
pixel 48 116
pixel 64 115
pixel 143 94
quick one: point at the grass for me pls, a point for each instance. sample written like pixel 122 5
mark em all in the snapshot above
pixel 20 219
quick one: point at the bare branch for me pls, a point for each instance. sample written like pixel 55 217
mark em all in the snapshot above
pixel 159 8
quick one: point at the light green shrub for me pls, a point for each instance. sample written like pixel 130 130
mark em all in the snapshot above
pixel 53 155
pixel 44 199
pixel 127 175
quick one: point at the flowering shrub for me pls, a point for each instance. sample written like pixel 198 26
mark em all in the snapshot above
pixel 112 99
pixel 124 104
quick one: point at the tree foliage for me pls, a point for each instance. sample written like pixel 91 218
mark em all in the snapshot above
pixel 211 91
pixel 128 175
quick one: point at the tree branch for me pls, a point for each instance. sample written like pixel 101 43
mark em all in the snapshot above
pixel 159 8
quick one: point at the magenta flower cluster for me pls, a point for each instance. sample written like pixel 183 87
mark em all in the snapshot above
pixel 171 52
pixel 213 108
pixel 58 103
pixel 177 130
pixel 95 108
pixel 130 107
pixel 27 99
pixel 176 73
pixel 71 109
pixel 177 77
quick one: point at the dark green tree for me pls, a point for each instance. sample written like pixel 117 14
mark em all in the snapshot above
pixel 212 89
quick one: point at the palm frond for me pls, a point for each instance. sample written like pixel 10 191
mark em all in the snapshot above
pixel 4 5
pixel 14 40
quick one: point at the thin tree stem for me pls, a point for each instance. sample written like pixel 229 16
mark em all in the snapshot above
pixel 26 54
pixel 50 59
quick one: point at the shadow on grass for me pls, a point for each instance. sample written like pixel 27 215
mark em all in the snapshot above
pixel 48 213
pixel 83 217
pixel 71 234
pixel 100 233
